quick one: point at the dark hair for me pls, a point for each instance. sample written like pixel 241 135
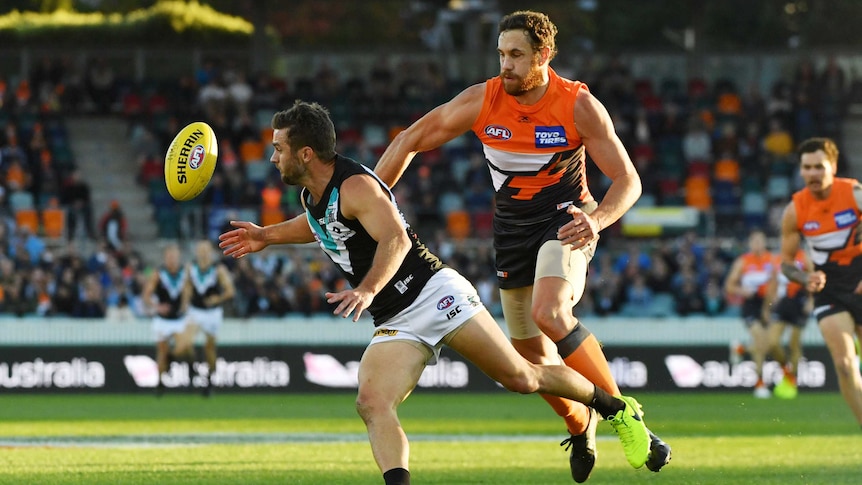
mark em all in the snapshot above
pixel 308 125
pixel 537 25
pixel 828 146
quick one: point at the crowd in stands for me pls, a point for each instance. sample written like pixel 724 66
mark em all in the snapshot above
pixel 724 149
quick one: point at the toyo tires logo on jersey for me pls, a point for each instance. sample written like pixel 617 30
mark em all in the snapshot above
pixel 551 136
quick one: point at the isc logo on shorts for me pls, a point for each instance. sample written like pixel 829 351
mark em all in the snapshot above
pixel 445 302
pixel 196 158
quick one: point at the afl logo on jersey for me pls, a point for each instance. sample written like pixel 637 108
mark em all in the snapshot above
pixel 811 226
pixel 498 132
pixel 445 302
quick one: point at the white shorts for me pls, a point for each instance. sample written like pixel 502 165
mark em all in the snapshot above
pixel 163 328
pixel 208 319
pixel 446 302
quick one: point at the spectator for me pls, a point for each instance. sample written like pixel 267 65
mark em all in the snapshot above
pixel 92 303
pixel 101 85
pixel 65 298
pixel 121 311
pixel 688 298
pixel 713 298
pixel 112 227
pixel 75 195
pixel 639 297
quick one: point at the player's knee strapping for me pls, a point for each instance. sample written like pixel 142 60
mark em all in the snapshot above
pixel 573 340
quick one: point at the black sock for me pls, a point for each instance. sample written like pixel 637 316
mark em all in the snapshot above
pixel 605 404
pixel 396 476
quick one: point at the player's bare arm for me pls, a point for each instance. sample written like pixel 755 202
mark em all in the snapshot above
pixel 607 151
pixel 813 281
pixel 769 297
pixel 228 290
pixel 732 284
pixel 857 194
pixel 364 200
pixel 249 237
pixel 188 291
pixel 147 293
pixel 438 126
pixel 226 285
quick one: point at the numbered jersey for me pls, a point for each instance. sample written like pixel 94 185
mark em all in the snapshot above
pixel 352 249
pixel 534 153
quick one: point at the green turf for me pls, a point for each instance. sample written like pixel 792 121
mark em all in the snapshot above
pixel 717 438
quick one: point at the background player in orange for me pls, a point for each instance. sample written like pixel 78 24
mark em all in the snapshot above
pixel 826 214
pixel 791 309
pixel 750 277
pixel 536 129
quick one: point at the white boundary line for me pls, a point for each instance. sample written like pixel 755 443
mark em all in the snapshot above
pixel 200 439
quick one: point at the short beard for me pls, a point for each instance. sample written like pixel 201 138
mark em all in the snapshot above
pixel 533 80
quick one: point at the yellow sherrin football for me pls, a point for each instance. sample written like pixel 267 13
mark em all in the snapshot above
pixel 190 161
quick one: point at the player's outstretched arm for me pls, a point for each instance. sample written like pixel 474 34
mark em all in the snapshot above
pixel 437 127
pixel 249 237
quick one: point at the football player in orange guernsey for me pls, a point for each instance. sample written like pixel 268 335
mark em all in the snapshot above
pixel 826 215
pixel 750 278
pixel 536 129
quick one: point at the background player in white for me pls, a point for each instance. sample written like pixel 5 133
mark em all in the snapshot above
pixel 210 285
pixel 164 297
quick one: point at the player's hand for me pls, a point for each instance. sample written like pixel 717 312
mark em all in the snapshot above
pixel 350 301
pixel 816 281
pixel 246 238
pixel 858 289
pixel 212 301
pixel 581 231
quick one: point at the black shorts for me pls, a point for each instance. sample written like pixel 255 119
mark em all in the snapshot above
pixel 791 310
pixel 517 248
pixel 752 311
pixel 828 303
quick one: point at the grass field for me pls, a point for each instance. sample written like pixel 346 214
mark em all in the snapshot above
pixel 455 439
